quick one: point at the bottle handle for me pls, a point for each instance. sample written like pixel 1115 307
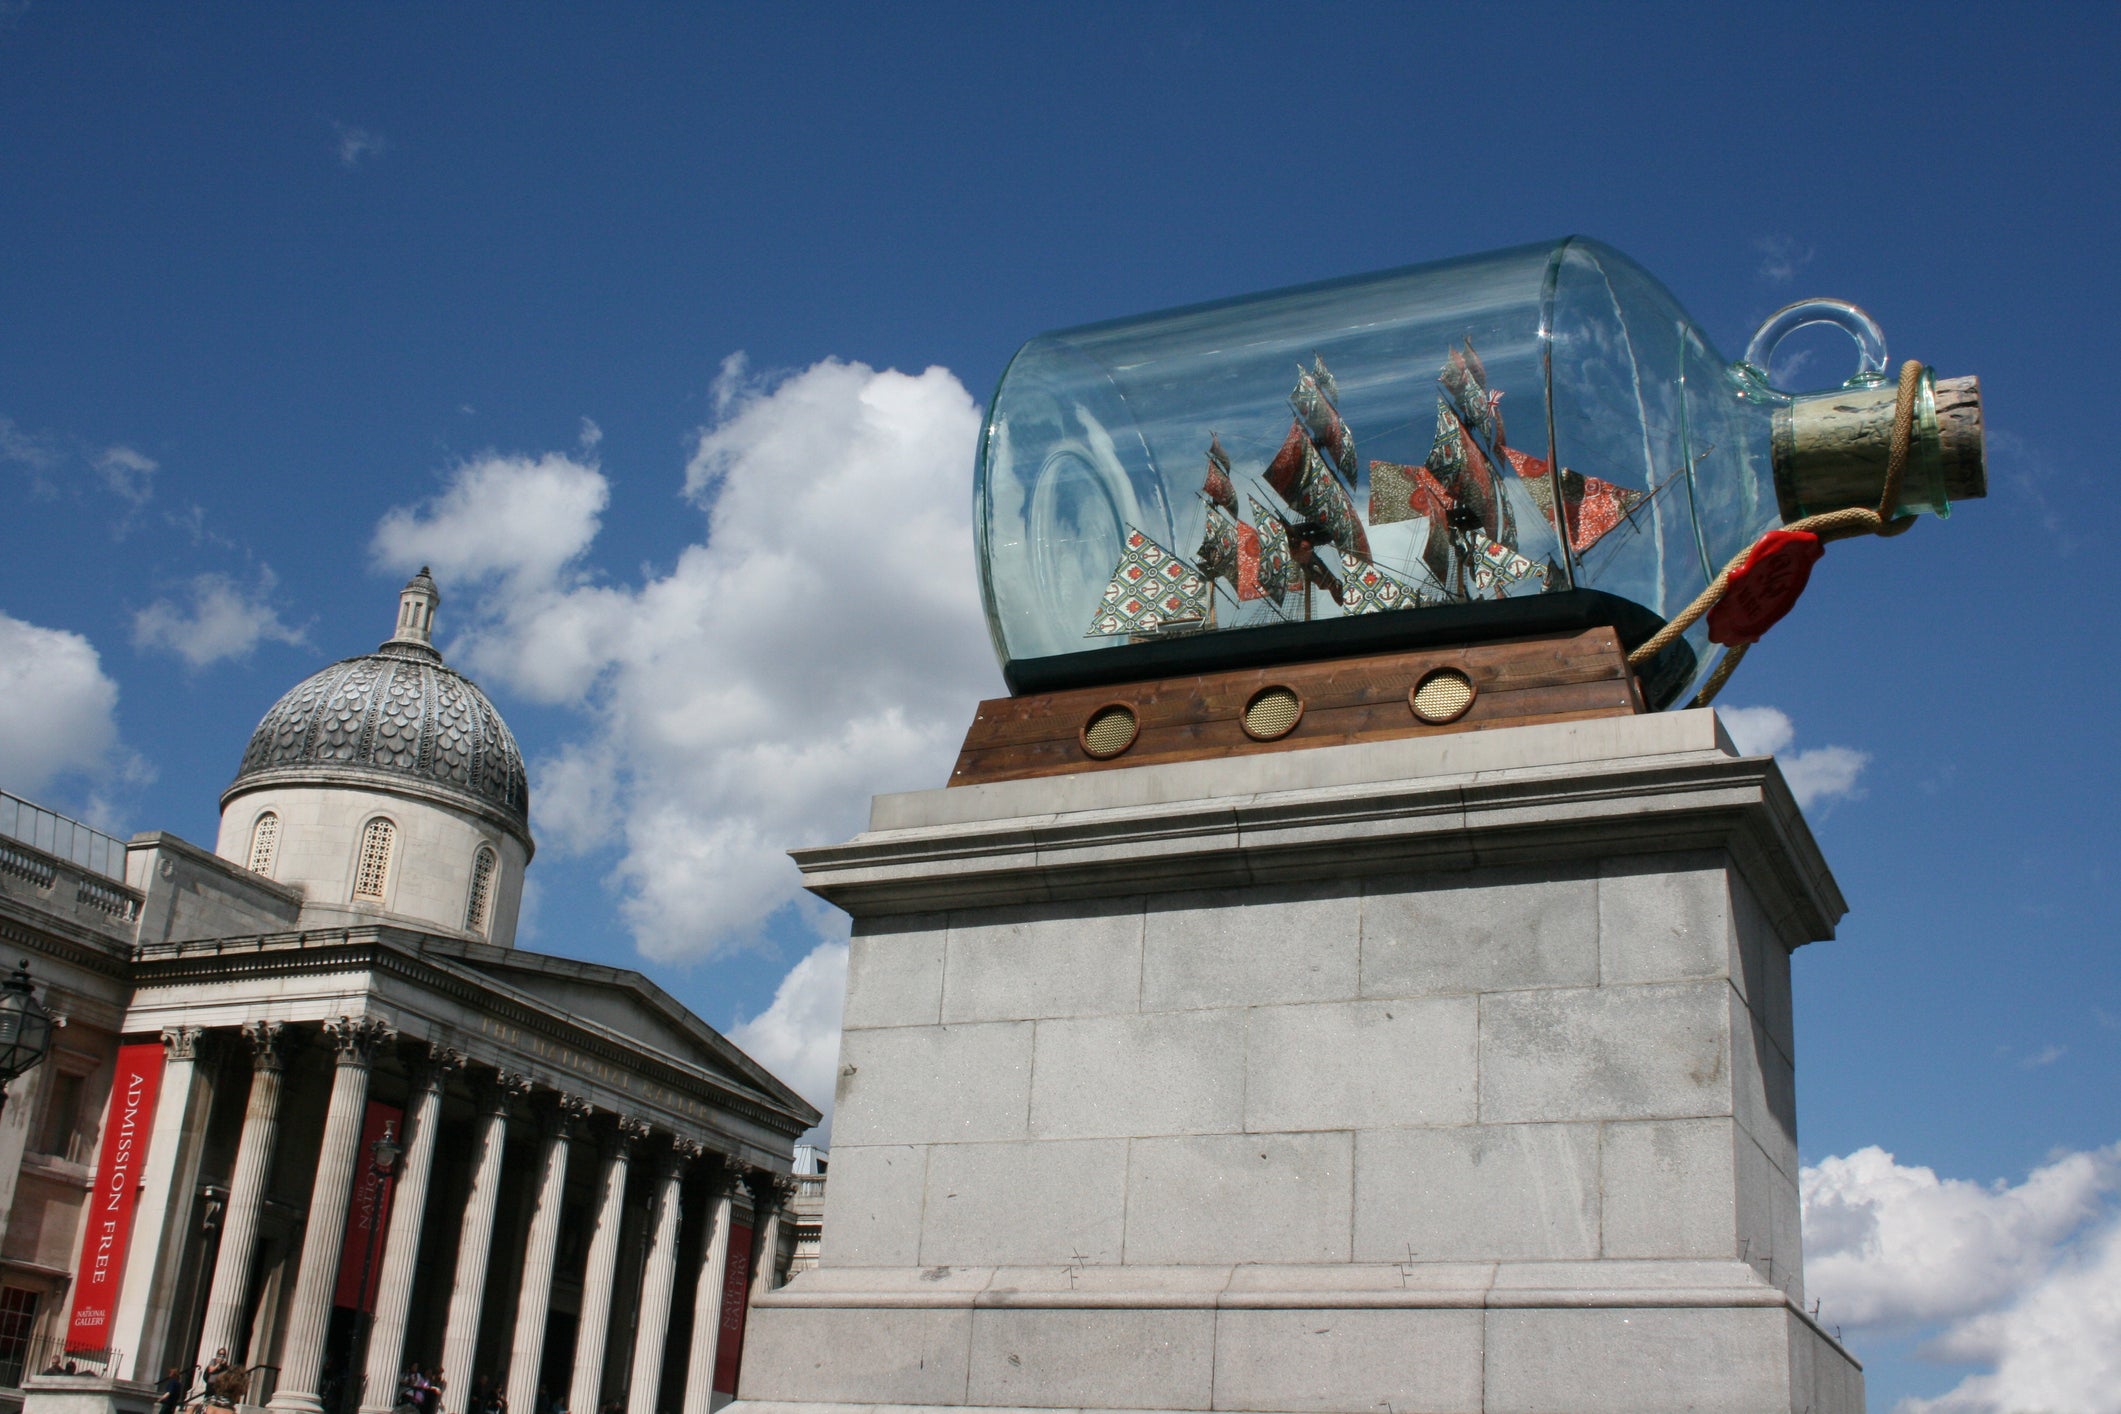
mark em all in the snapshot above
pixel 1870 339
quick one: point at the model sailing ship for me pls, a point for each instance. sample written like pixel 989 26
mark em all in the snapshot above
pixel 1309 538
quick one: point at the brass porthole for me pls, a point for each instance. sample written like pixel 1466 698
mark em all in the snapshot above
pixel 1272 713
pixel 1443 695
pixel 1110 730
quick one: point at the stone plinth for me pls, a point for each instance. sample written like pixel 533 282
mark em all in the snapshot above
pixel 1451 1074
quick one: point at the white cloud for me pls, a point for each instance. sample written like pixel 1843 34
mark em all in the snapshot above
pixel 1781 257
pixel 57 707
pixel 1816 774
pixel 798 1037
pixel 220 619
pixel 1891 1246
pixel 513 519
pixel 822 642
pixel 2056 1348
pixel 357 143
pixel 129 475
pixel 2024 1278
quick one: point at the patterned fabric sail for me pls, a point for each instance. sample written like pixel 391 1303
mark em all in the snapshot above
pixel 1465 473
pixel 1591 505
pixel 1315 494
pixel 1277 567
pixel 1314 400
pixel 1229 550
pixel 1371 589
pixel 1151 590
pixel 1495 564
pixel 1217 487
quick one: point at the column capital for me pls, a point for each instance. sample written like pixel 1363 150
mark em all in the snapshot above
pixel 183 1043
pixel 769 1190
pixel 722 1173
pixel 270 1043
pixel 667 1153
pixel 433 1071
pixel 498 1090
pixel 356 1039
pixel 567 1114
pixel 627 1133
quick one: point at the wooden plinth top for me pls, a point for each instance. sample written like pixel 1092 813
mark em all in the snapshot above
pixel 1553 678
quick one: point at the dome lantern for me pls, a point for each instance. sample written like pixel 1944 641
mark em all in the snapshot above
pixel 417 603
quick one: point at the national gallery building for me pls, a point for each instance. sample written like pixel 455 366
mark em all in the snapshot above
pixel 305 1102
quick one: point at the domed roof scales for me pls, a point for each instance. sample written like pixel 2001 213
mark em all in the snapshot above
pixel 397 716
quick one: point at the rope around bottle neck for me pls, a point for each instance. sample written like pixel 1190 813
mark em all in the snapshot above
pixel 1827 526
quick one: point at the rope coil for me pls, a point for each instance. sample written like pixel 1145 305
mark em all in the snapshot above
pixel 1829 526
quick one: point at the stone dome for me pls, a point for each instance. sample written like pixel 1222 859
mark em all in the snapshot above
pixel 397 718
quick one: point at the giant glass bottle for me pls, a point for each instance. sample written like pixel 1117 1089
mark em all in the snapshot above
pixel 1508 443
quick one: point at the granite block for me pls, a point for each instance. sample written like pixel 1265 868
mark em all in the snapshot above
pixel 1480 931
pixel 873 1206
pixel 1349 1362
pixel 1093 1359
pixel 1663 918
pixel 895 972
pixel 1235 1198
pixel 934 1084
pixel 1638 1361
pixel 1477 1192
pixel 1362 1065
pixel 1023 1204
pixel 1054 959
pixel 1250 947
pixel 861 1356
pixel 1646 1052
pixel 1161 1074
pixel 1669 1188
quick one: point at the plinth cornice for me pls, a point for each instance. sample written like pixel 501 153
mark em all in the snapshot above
pixel 1700 796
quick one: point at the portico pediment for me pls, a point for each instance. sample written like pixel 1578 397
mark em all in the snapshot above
pixel 607 1035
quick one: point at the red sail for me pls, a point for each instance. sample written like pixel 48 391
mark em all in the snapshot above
pixel 1315 494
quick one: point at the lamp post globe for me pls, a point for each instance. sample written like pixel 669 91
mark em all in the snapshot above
pixel 25 1028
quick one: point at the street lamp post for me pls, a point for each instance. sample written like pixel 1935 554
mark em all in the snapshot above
pixel 25 1028
pixel 383 1158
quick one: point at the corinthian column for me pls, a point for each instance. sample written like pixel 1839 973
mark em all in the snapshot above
pixel 270 1042
pixel 460 1341
pixel 401 1245
pixel 770 1193
pixel 586 1392
pixel 302 1357
pixel 527 1353
pixel 656 1280
pixel 707 1291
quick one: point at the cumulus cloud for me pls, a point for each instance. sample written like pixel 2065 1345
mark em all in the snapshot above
pixel 798 1037
pixel 1819 773
pixel 822 641
pixel 218 618
pixel 58 709
pixel 2026 1277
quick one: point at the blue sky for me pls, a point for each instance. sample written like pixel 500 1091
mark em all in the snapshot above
pixel 289 295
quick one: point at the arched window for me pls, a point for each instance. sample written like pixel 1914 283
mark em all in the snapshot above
pixel 478 911
pixel 264 843
pixel 373 869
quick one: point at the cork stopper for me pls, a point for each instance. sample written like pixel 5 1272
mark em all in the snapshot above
pixel 1830 450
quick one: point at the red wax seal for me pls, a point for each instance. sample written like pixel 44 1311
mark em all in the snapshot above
pixel 1765 587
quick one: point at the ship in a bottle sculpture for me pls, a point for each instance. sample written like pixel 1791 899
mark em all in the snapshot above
pixel 1440 498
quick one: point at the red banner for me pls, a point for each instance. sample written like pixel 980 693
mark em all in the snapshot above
pixel 368 1215
pixel 108 1222
pixel 736 1300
